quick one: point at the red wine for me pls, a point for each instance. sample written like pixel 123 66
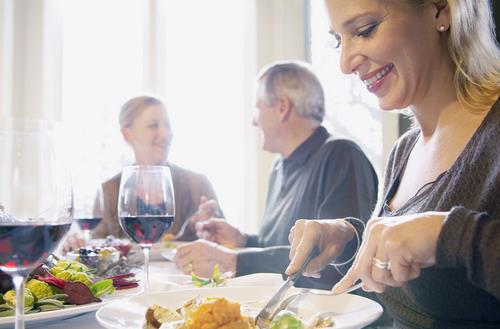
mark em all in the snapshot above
pixel 146 230
pixel 88 223
pixel 25 245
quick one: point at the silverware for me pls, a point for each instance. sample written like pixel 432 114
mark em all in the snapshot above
pixel 267 313
pixel 304 291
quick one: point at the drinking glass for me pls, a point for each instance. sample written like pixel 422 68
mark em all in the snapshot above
pixel 36 202
pixel 89 207
pixel 146 207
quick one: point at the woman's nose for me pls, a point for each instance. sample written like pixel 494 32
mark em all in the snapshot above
pixel 350 58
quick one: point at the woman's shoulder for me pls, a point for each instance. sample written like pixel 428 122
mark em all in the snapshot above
pixel 113 181
pixel 183 173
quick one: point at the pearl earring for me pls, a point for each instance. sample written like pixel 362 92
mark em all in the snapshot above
pixel 442 28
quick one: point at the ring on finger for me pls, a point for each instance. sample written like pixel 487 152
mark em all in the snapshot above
pixel 381 264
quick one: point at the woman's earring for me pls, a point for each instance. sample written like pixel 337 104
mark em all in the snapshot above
pixel 442 28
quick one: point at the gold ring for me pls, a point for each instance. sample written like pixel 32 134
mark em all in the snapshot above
pixel 381 264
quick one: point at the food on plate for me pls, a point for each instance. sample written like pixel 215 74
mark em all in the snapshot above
pixel 215 280
pixel 220 313
pixel 64 284
pixel 94 257
pixel 197 313
pixel 286 320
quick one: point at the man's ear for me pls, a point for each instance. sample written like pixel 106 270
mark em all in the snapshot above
pixel 285 108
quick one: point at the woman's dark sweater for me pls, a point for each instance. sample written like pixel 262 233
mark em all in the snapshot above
pixel 462 290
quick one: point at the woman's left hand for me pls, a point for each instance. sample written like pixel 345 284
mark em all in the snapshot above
pixel 394 250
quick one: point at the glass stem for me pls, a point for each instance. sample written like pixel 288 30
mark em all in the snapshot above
pixel 147 288
pixel 86 237
pixel 19 287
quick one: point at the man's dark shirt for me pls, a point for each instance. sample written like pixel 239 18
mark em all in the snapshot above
pixel 323 178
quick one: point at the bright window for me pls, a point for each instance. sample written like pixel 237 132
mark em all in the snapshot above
pixel 203 66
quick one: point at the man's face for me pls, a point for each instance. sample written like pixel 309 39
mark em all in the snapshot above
pixel 267 118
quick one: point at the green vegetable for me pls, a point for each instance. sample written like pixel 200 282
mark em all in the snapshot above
pixel 102 287
pixel 78 267
pixel 216 279
pixel 10 298
pixel 73 276
pixel 286 320
pixel 64 275
pixel 39 289
pixel 80 277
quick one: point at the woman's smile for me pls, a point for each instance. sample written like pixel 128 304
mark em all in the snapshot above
pixel 375 79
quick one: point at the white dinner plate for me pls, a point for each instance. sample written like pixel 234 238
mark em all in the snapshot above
pixel 351 311
pixel 163 282
pixel 37 318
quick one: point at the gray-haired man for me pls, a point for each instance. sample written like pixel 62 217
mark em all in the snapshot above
pixel 315 176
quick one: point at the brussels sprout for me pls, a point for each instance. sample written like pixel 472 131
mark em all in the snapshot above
pixel 286 320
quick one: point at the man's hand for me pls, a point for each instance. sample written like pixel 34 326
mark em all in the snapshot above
pixel 330 236
pixel 394 250
pixel 200 257
pixel 207 209
pixel 220 231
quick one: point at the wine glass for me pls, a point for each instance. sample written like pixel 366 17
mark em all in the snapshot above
pixel 36 202
pixel 146 207
pixel 89 207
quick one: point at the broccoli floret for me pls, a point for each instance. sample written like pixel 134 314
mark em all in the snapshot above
pixel 10 298
pixel 78 267
pixel 81 277
pixel 74 276
pixel 62 264
pixel 39 289
pixel 286 320
pixel 64 275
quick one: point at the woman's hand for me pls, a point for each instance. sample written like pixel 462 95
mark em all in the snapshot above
pixel 330 236
pixel 394 250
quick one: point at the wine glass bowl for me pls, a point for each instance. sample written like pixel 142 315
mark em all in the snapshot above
pixel 35 197
pixel 89 207
pixel 146 206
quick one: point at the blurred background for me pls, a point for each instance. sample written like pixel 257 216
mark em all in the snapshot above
pixel 78 61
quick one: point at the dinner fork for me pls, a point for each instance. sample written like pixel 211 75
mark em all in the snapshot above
pixel 304 291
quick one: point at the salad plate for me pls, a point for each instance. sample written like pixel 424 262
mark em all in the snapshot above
pixel 349 311
pixel 41 317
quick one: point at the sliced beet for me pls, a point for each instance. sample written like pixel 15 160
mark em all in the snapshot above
pixel 78 293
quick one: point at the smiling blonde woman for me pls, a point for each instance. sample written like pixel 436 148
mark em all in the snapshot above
pixel 431 249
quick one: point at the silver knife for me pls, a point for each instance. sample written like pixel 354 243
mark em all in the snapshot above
pixel 265 315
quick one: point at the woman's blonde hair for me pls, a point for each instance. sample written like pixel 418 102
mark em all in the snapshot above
pixel 474 51
pixel 134 107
